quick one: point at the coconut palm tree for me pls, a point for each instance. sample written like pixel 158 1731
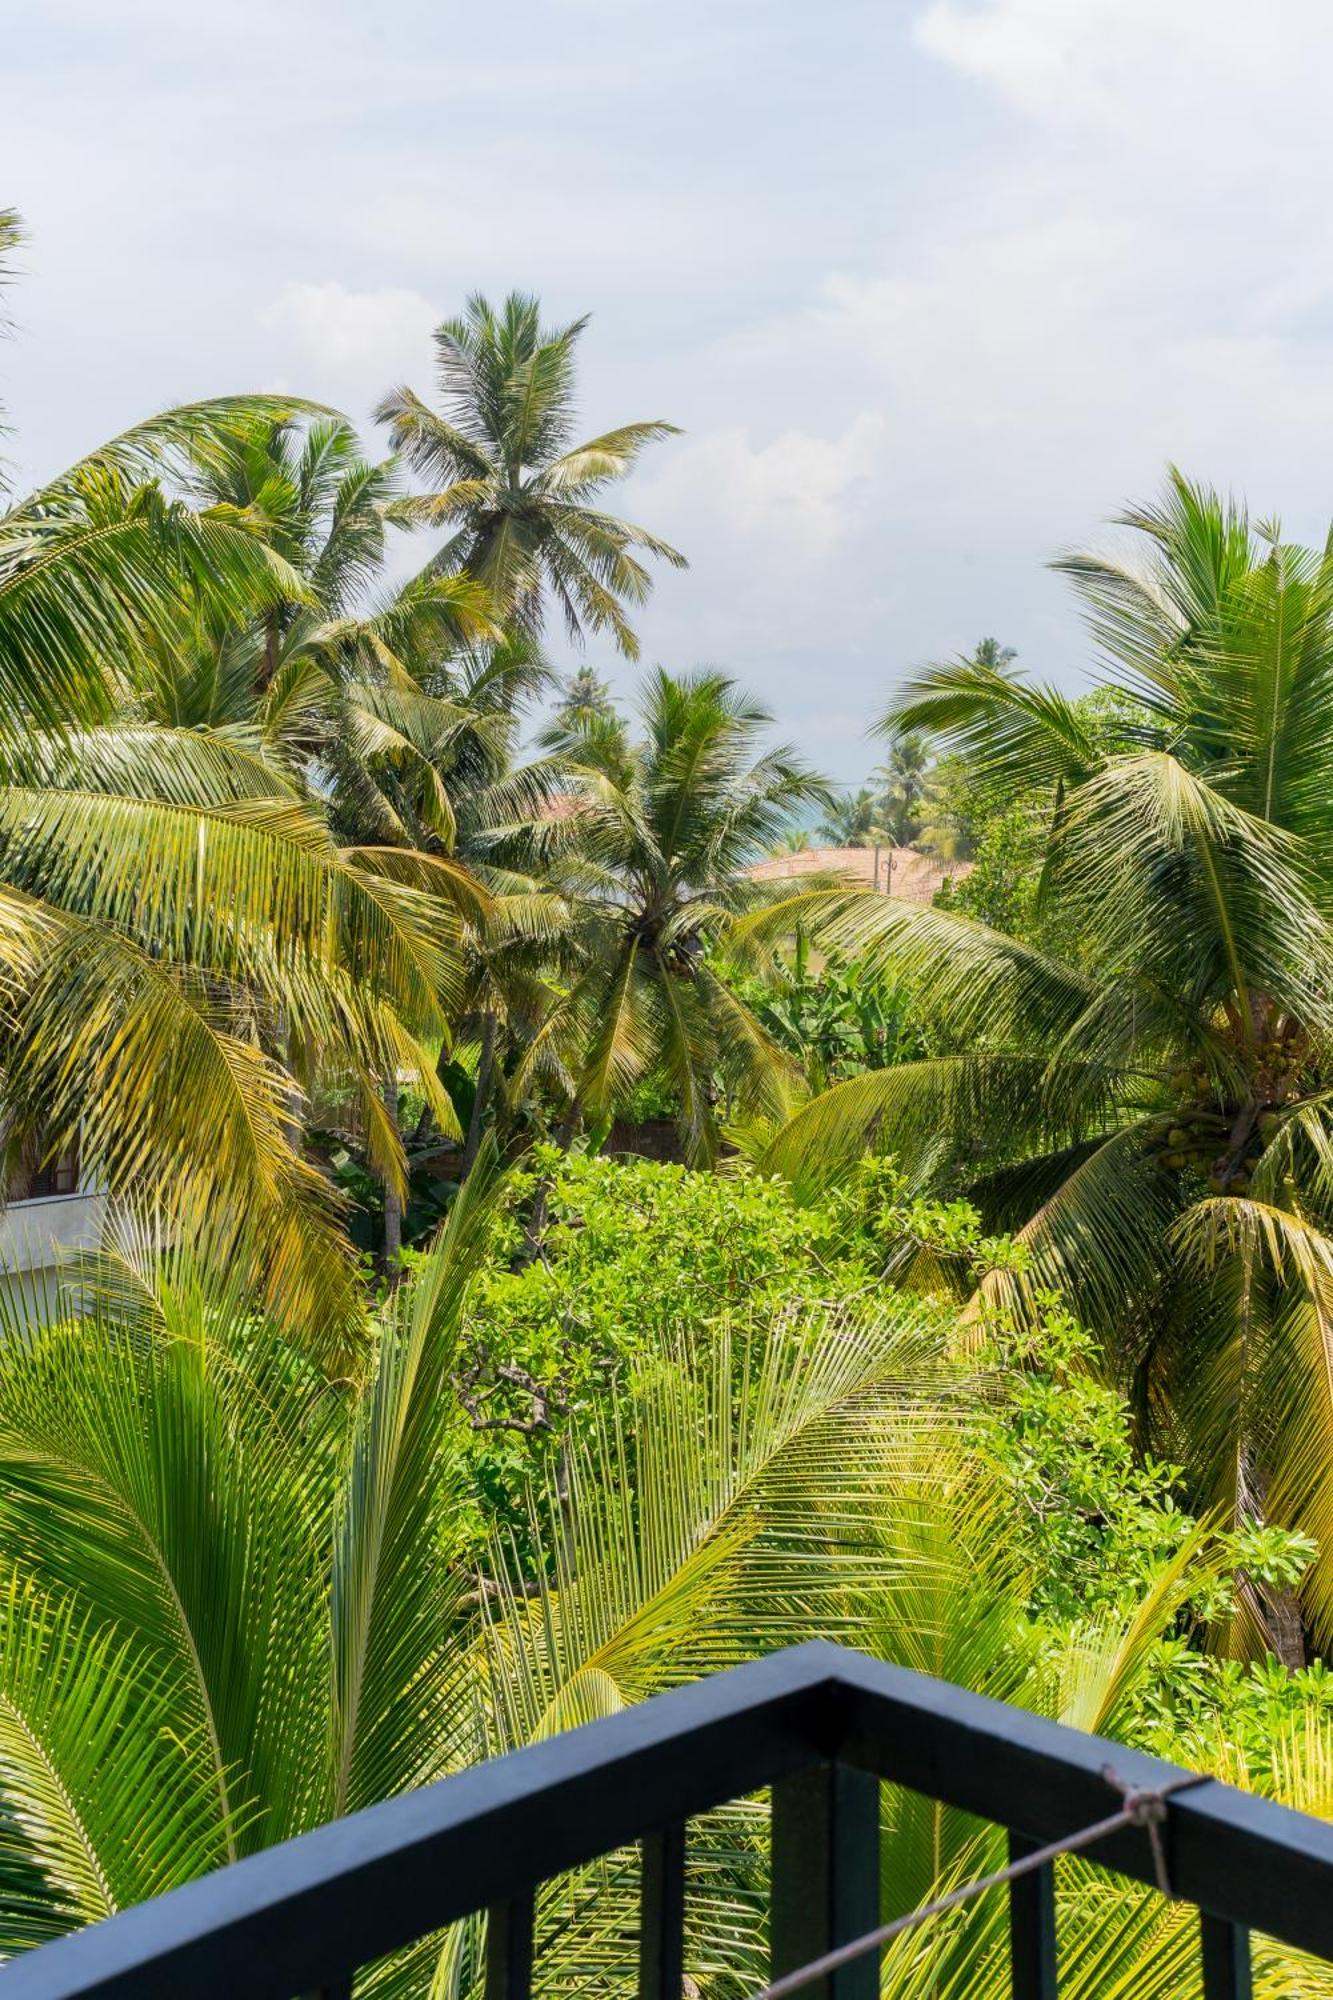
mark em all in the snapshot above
pixel 11 235
pixel 1150 1107
pixel 648 848
pixel 176 909
pixel 335 684
pixel 349 693
pixel 512 486
pixel 852 819
pixel 232 1608
pixel 990 654
pixel 903 778
pixel 584 696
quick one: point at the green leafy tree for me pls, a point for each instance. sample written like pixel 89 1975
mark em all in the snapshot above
pixel 949 826
pixel 235 1607
pixel 323 699
pixel 177 915
pixel 1149 1109
pixel 835 1018
pixel 991 656
pixel 513 488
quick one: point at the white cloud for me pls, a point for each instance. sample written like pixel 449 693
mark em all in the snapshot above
pixel 793 498
pixel 1114 60
pixel 768 528
pixel 376 335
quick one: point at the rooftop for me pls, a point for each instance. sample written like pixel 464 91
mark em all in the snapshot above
pixel 896 871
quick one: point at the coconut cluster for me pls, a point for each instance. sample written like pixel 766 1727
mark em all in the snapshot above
pixel 1198 1137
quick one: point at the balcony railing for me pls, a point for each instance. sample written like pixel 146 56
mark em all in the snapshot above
pixel 822 1727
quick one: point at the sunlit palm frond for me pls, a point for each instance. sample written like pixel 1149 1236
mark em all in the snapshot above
pixel 394 1595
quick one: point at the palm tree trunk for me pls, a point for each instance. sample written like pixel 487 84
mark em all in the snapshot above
pixel 1286 1628
pixel 393 1207
pixel 272 641
pixel 1278 1611
pixel 485 1071
pixel 532 1235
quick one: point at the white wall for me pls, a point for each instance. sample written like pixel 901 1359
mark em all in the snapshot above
pixel 34 1236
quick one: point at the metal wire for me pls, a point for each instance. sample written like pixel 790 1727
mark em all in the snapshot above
pixel 1142 1807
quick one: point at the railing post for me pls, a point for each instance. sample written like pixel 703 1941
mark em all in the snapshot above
pixel 662 1915
pixel 1225 1949
pixel 509 1948
pixel 1032 1955
pixel 824 1879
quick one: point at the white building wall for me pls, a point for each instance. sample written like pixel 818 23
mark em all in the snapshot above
pixel 34 1237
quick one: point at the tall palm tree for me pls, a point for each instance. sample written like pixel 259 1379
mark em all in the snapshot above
pixel 232 1608
pixel 334 683
pixel 1151 1109
pixel 649 848
pixel 170 897
pixel 903 779
pixel 355 701
pixel 11 235
pixel 512 486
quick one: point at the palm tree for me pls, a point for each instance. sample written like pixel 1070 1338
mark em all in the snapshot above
pixel 361 708
pixel 584 696
pixel 903 780
pixel 990 654
pixel 11 235
pixel 648 849
pixel 512 486
pixel 336 689
pixel 176 910
pixel 852 820
pixel 233 1608
pixel 947 809
pixel 1150 1108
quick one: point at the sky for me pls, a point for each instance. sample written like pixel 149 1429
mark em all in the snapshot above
pixel 933 287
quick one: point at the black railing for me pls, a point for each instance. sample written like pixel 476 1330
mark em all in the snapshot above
pixel 821 1727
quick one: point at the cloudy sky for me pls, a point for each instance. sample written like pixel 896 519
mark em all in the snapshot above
pixel 931 285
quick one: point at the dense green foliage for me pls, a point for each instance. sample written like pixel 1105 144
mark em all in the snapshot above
pixel 238 1603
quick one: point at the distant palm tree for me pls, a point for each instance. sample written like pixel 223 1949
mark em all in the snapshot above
pixel 852 820
pixel 990 653
pixel 584 696
pixel 512 486
pixel 11 235
pixel 944 826
pixel 650 858
pixel 903 778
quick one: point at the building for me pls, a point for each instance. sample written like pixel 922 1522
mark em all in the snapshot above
pixel 894 871
pixel 48 1215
